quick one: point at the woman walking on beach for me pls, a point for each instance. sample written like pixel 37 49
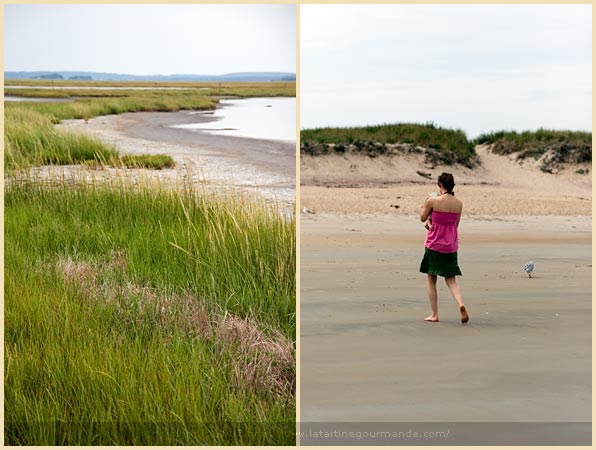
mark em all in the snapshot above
pixel 443 212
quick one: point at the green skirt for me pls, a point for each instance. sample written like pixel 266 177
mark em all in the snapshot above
pixel 441 264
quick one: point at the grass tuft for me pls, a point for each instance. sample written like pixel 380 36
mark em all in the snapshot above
pixel 147 161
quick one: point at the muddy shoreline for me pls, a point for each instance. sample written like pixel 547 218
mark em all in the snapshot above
pixel 257 165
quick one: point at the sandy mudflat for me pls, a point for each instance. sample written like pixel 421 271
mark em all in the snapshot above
pixel 263 166
pixel 367 355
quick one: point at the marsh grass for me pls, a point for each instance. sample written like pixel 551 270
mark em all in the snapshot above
pixel 140 313
pixel 86 108
pixel 267 89
pixel 31 139
pixel 146 316
pixel 211 90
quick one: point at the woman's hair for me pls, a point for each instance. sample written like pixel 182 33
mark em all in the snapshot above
pixel 447 181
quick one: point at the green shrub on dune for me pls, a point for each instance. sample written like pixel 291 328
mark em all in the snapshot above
pixel 535 143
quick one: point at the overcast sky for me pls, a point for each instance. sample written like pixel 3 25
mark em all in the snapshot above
pixel 475 67
pixel 150 39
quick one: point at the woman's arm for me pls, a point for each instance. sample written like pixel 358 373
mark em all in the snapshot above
pixel 426 209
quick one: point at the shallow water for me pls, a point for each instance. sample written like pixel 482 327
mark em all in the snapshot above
pixel 258 118
pixel 11 98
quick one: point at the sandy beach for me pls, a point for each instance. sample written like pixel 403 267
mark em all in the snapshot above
pixel 254 165
pixel 366 353
pixel 500 186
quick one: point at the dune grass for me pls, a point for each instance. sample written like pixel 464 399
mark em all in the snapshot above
pixel 513 141
pixel 147 316
pixel 555 148
pixel 439 145
pixel 424 135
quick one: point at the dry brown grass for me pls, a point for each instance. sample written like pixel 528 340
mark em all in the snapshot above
pixel 265 361
pixel 262 361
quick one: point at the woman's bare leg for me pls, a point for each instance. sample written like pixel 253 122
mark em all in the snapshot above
pixel 431 286
pixel 456 292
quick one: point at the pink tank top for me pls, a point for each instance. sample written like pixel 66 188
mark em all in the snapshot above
pixel 443 236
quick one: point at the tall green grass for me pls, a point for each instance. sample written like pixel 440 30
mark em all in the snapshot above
pixel 426 135
pixel 86 108
pixel 148 316
pixel 31 139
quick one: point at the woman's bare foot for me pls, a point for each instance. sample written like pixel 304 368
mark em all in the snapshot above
pixel 464 314
pixel 432 318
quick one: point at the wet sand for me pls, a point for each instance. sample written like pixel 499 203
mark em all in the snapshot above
pixel 367 355
pixel 263 166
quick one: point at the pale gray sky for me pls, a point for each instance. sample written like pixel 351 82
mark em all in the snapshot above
pixel 150 39
pixel 475 67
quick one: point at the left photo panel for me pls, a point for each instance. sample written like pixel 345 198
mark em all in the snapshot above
pixel 150 225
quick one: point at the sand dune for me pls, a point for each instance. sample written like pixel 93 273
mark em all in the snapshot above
pixel 500 186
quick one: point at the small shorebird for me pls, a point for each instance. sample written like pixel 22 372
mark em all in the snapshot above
pixel 307 211
pixel 529 268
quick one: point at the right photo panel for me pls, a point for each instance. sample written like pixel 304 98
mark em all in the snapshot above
pixel 445 229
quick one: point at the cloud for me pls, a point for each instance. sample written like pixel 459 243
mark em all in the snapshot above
pixel 458 65
pixel 151 39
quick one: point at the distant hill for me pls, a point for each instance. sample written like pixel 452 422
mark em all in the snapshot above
pixel 101 76
pixel 50 76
